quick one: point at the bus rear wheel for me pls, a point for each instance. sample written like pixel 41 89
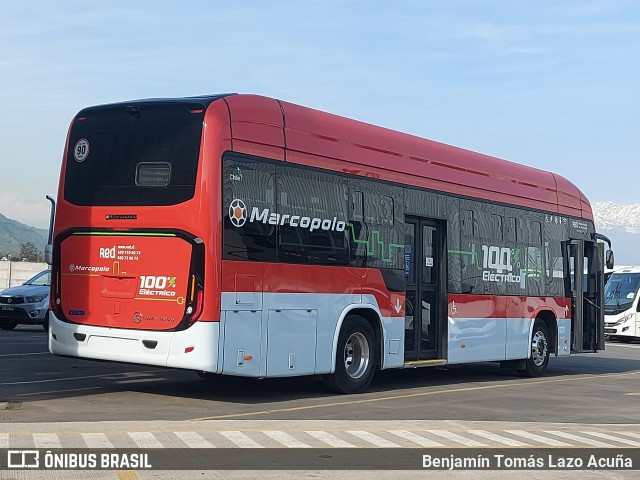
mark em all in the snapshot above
pixel 537 362
pixel 355 357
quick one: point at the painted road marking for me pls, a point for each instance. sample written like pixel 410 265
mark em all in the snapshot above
pixel 366 438
pixel 377 399
pixel 606 436
pixel 456 438
pixel 285 439
pixel 46 440
pixel 145 439
pixel 329 439
pixel 498 438
pixel 415 438
pixel 96 440
pixel 373 439
pixel 239 439
pixel 194 440
pixel 578 438
pixel 107 376
pixel 538 438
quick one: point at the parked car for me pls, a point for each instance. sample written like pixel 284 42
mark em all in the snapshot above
pixel 26 304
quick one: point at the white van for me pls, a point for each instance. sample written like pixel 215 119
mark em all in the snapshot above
pixel 621 307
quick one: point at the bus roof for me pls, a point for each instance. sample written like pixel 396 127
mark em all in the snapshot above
pixel 285 131
pixel 204 100
pixel 625 269
pixel 326 140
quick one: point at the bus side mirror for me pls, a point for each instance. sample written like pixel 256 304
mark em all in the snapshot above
pixel 48 254
pixel 609 259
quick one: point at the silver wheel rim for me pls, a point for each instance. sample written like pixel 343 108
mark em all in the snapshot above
pixel 357 355
pixel 539 348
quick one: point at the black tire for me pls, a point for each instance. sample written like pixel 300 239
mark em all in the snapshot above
pixel 45 324
pixel 537 363
pixel 356 357
pixel 8 325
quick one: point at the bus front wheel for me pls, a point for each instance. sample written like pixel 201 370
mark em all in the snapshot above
pixel 537 362
pixel 355 357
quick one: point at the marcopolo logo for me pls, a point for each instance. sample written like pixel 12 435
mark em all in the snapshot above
pixel 84 268
pixel 239 215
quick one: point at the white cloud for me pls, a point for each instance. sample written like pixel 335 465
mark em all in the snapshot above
pixel 22 210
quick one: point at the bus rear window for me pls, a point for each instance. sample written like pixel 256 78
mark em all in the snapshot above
pixel 138 154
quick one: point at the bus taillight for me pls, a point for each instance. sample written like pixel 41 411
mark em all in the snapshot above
pixel 54 300
pixel 198 309
pixel 195 300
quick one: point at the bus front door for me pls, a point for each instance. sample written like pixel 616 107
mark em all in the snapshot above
pixel 585 284
pixel 424 247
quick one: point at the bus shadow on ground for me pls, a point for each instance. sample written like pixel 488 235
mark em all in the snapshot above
pixel 249 391
pixel 37 380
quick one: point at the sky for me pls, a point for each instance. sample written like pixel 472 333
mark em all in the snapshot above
pixel 554 84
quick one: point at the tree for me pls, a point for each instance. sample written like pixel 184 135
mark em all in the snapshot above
pixel 30 253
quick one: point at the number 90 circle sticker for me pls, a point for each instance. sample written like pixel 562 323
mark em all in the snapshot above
pixel 81 150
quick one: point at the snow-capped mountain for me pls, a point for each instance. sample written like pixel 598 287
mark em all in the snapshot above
pixel 621 223
pixel 612 216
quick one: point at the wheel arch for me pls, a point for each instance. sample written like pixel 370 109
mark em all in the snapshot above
pixel 372 315
pixel 551 322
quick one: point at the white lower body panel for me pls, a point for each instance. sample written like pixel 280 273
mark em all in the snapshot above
pixel 280 334
pixel 195 348
pixel 289 334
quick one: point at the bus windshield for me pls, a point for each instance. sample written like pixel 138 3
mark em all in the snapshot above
pixel 620 292
pixel 138 154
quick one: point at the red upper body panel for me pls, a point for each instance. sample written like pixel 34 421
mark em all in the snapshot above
pixel 268 127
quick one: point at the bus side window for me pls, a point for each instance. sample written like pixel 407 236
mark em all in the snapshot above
pixel 248 185
pixel 376 227
pixel 321 199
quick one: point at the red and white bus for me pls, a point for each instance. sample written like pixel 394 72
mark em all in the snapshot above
pixel 244 235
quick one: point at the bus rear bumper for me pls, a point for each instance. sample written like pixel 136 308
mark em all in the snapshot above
pixel 195 348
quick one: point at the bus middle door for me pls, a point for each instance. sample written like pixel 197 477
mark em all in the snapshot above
pixel 424 247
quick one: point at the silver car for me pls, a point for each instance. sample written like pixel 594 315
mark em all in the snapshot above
pixel 27 303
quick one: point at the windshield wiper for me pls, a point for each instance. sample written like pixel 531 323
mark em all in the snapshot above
pixel 615 293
